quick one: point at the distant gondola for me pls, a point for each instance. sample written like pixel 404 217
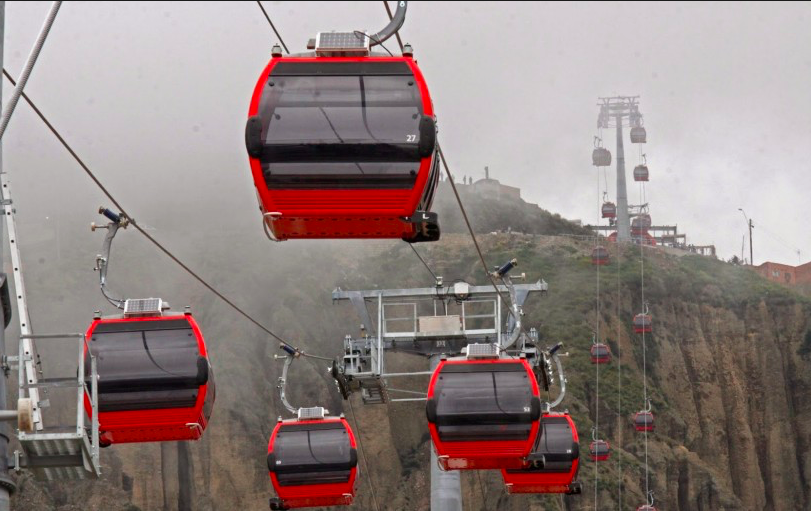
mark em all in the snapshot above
pixel 600 353
pixel 643 421
pixel 600 256
pixel 599 450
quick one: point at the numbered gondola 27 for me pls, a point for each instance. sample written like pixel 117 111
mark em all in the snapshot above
pixel 155 382
pixel 312 461
pixel 558 444
pixel 483 414
pixel 344 147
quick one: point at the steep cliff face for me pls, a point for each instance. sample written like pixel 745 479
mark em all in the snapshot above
pixel 728 371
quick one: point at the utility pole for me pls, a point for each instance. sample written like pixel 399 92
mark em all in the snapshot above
pixel 751 226
pixel 7 485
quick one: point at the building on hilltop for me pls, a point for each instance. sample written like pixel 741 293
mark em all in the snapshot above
pixel 785 274
pixel 490 187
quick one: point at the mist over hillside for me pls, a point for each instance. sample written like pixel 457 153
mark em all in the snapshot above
pixel 727 347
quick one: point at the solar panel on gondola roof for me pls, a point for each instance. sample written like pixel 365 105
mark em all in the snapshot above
pixel 341 40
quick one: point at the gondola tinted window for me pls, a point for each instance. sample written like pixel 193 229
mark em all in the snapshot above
pixel 484 405
pixel 302 455
pixel 341 126
pixel 146 365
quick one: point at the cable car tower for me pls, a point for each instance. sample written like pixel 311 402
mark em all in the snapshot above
pixel 618 112
pixel 456 322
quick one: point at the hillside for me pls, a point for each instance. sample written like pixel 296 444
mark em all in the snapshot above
pixel 729 364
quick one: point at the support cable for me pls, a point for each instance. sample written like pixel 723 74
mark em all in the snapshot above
pixel 459 201
pixel 423 261
pixel 619 382
pixel 29 67
pixel 597 366
pixel 644 357
pixel 391 17
pixel 148 236
pixel 267 17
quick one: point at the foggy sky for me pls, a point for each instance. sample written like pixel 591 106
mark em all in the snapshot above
pixel 154 96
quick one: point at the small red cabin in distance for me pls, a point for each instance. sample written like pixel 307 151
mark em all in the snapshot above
pixel 344 147
pixel 600 353
pixel 312 462
pixel 155 382
pixel 559 445
pixel 599 450
pixel 483 414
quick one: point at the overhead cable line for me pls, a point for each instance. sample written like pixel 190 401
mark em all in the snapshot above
pixel 29 67
pixel 391 17
pixel 267 17
pixel 423 261
pixel 148 236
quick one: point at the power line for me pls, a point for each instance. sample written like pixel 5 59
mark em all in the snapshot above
pixel 267 17
pixel 149 237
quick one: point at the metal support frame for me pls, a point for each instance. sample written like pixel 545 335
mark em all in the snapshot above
pixel 62 451
pixel 437 323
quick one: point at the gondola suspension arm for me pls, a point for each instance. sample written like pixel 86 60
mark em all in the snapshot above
pixel 395 24
pixel 103 259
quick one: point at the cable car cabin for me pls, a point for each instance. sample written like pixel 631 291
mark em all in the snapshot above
pixel 558 444
pixel 483 414
pixel 600 256
pixel 643 324
pixel 155 382
pixel 599 450
pixel 344 147
pixel 609 210
pixel 640 224
pixel 646 507
pixel 601 157
pixel 600 353
pixel 638 135
pixel 643 421
pixel 641 173
pixel 312 461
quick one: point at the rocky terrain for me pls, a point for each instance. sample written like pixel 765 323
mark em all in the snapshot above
pixel 729 366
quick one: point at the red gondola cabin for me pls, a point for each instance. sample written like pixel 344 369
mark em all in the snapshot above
pixel 646 507
pixel 643 324
pixel 600 353
pixel 600 256
pixel 641 173
pixel 312 461
pixel 483 414
pixel 599 450
pixel 638 135
pixel 558 445
pixel 344 147
pixel 643 421
pixel 609 210
pixel 601 157
pixel 155 382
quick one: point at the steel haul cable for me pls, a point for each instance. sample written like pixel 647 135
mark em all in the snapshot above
pixel 149 237
pixel 619 383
